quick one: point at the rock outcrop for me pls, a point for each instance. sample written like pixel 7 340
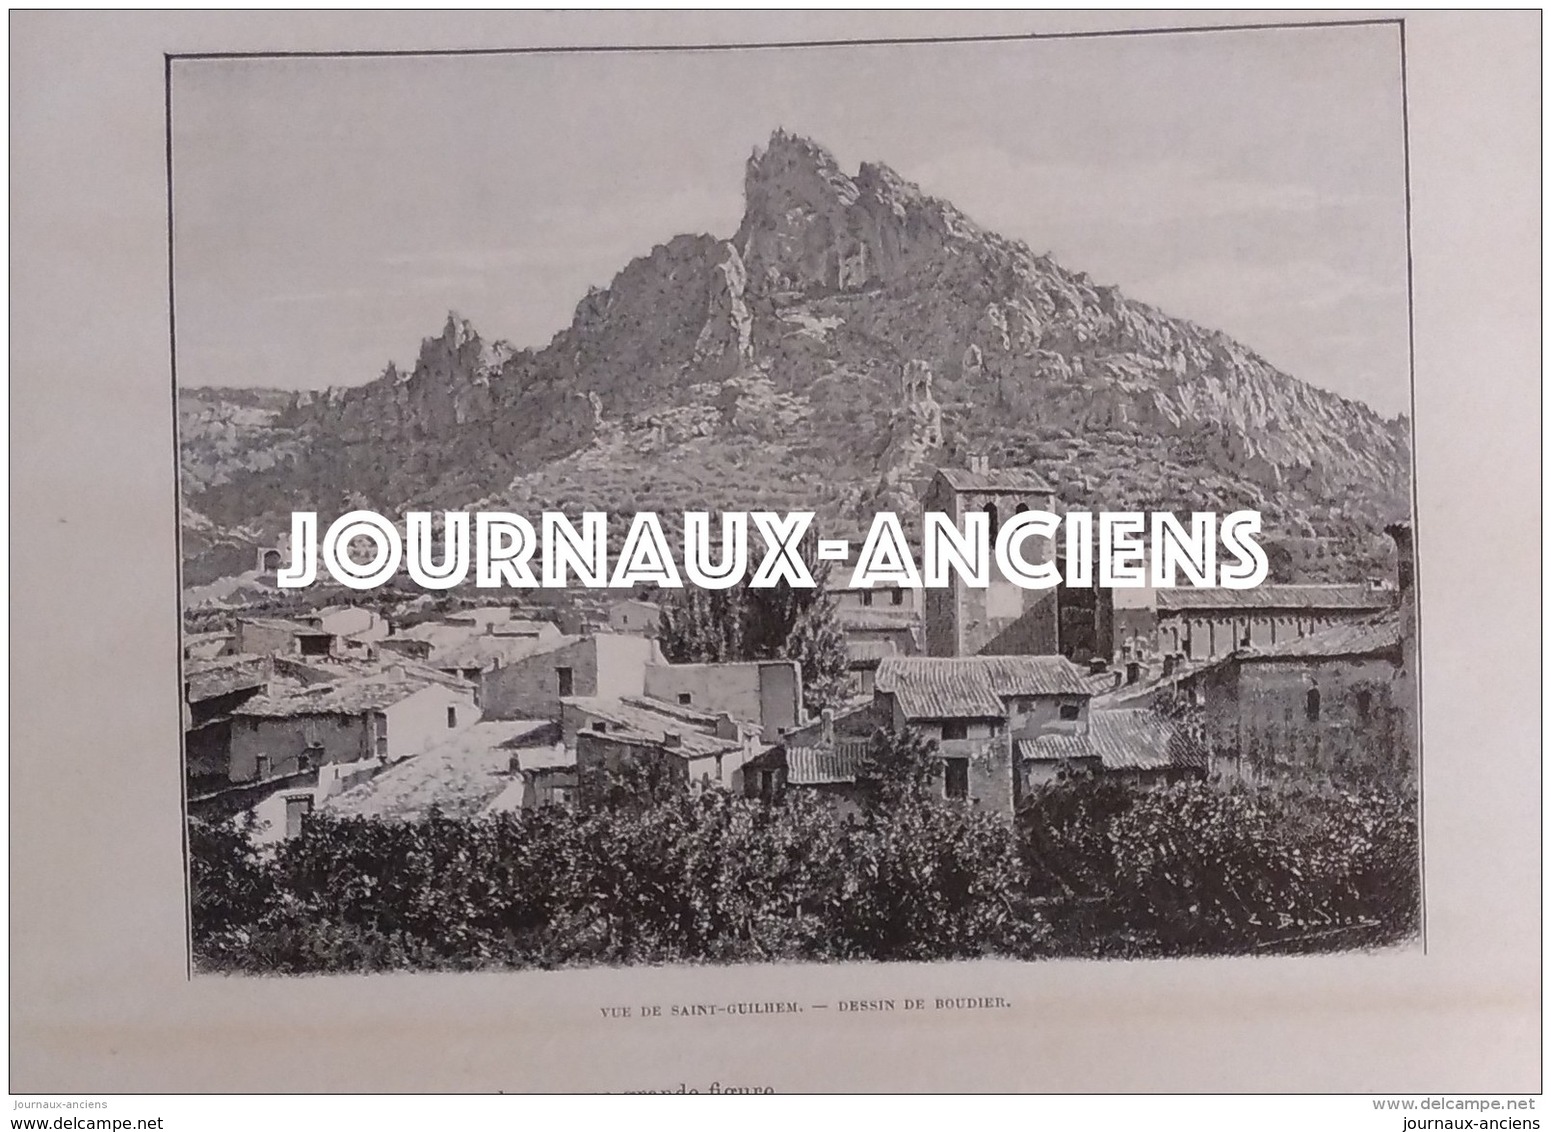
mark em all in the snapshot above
pixel 915 435
pixel 831 289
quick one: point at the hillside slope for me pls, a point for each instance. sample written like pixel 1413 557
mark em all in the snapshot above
pixel 852 335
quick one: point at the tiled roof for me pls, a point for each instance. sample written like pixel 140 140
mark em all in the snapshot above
pixel 1056 748
pixel 997 479
pixel 458 776
pixel 1121 739
pixel 974 687
pixel 638 603
pixel 481 615
pixel 212 637
pixel 280 624
pixel 207 679
pixel 351 697
pixel 555 757
pixel 1141 739
pixel 1301 597
pixel 338 670
pixel 643 720
pixel 1359 638
pixel 818 766
pixel 485 650
pixel 865 617
pixel 438 634
pixel 524 627
pixel 869 651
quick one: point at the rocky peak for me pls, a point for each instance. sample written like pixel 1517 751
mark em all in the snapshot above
pixel 915 433
pixel 809 228
pixel 830 325
pixel 794 170
pixel 459 354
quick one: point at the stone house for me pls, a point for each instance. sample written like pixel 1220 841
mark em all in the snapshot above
pixel 1133 744
pixel 899 601
pixel 480 657
pixel 548 775
pixel 257 635
pixel 212 690
pixel 871 634
pixel 532 685
pixel 298 744
pixel 1002 618
pixel 687 745
pixel 1205 623
pixel 462 775
pixel 352 621
pixel 978 709
pixel 1330 707
pixel 767 693
pixel 823 757
pixel 209 645
pixel 299 728
pixel 1337 706
pixel 632 615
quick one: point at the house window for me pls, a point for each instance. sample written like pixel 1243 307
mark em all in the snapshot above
pixel 1311 705
pixel 991 513
pixel 296 809
pixel 955 781
pixel 1364 704
pixel 684 697
pixel 565 678
pixel 1071 712
pixel 452 716
pixel 382 735
pixel 896 597
pixel 311 758
pixel 261 767
pixel 866 597
pixel 600 726
pixel 955 729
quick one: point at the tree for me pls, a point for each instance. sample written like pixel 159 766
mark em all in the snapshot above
pixel 898 767
pixel 780 622
pixel 230 889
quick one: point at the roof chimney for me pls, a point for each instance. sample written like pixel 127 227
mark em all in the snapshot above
pixel 979 463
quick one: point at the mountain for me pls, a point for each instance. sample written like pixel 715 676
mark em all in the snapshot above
pixel 851 336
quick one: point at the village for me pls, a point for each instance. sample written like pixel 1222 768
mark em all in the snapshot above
pixel 341 710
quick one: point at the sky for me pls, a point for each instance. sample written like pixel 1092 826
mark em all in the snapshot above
pixel 329 212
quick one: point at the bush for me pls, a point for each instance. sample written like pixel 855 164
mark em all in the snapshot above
pixel 1092 867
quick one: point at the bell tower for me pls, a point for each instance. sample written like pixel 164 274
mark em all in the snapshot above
pixel 1003 618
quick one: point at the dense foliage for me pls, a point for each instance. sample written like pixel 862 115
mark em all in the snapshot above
pixel 1092 867
pixel 782 622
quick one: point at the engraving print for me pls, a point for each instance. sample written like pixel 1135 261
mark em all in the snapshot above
pixel 1120 273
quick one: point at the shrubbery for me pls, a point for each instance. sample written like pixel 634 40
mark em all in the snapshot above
pixel 1092 867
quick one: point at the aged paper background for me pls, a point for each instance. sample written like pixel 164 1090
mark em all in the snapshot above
pixel 100 996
